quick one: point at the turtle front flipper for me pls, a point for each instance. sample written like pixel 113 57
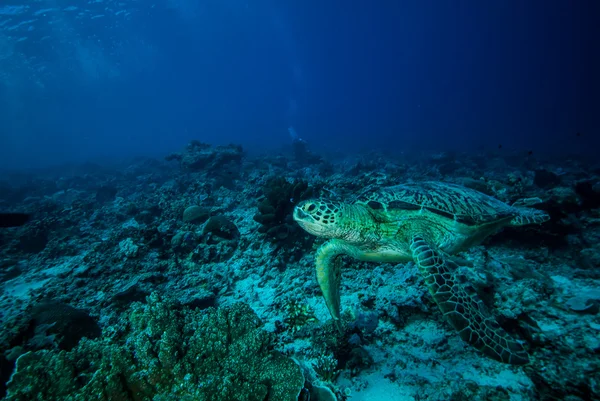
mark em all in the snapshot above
pixel 329 275
pixel 463 308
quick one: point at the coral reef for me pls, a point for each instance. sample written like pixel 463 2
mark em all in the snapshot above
pixel 165 352
pixel 275 209
pixel 298 315
pixel 151 278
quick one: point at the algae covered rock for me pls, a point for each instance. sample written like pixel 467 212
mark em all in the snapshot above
pixel 221 227
pixel 196 214
pixel 199 156
pixel 169 352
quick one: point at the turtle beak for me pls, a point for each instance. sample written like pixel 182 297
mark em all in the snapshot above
pixel 299 214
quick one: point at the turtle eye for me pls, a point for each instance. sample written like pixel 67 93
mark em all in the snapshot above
pixel 311 207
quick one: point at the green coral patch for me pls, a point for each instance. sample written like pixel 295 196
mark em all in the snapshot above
pixel 168 353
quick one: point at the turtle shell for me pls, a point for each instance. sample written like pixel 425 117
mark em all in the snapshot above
pixel 445 200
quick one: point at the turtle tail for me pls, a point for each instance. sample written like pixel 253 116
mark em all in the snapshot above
pixel 527 216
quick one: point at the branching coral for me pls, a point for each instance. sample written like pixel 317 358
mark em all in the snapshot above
pixel 298 315
pixel 326 367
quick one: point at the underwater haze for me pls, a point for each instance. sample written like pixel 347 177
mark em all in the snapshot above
pixel 103 78
pixel 307 200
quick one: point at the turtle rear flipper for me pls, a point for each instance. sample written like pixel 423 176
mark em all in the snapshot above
pixel 529 216
pixel 462 307
pixel 329 275
pixel 526 202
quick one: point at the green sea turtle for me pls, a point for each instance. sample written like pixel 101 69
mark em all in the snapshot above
pixel 423 222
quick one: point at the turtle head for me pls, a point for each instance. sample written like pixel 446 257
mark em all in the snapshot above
pixel 320 217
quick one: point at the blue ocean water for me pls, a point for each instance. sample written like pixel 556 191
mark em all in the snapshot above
pixel 299 200
pixel 114 78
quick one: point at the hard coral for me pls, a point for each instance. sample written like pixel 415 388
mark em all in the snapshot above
pixel 220 165
pixel 326 367
pixel 275 210
pixel 298 315
pixel 170 352
pixel 201 156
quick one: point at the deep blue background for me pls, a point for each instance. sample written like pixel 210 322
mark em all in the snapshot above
pixel 352 75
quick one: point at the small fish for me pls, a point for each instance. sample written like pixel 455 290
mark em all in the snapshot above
pixel 578 134
pixel 530 152
pixel 13 219
pixel 500 146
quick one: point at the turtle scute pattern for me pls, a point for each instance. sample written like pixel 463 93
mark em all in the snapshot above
pixel 452 201
pixel 462 307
